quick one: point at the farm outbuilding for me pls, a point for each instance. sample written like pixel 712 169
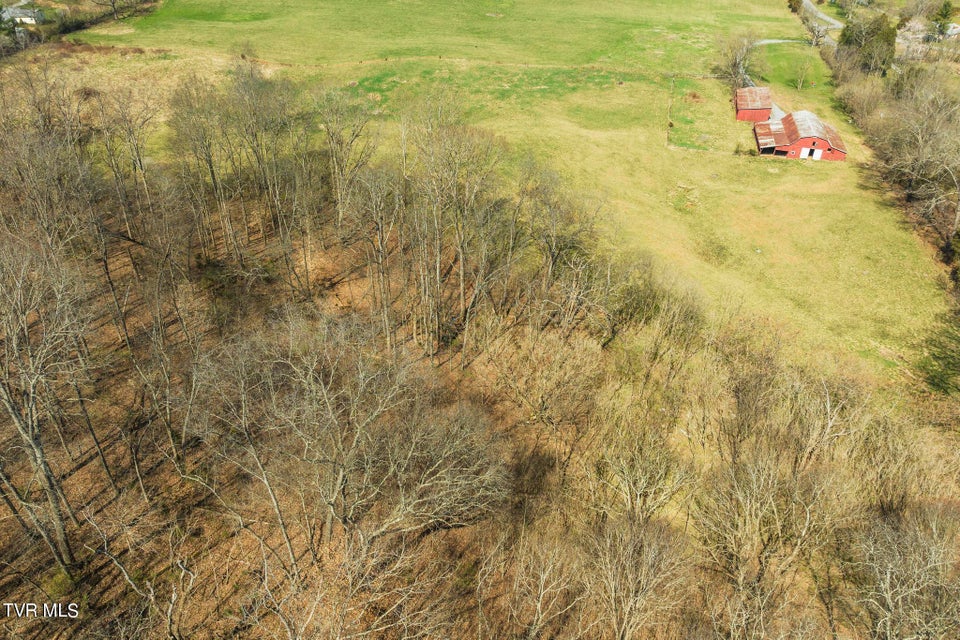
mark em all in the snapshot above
pixel 753 104
pixel 799 135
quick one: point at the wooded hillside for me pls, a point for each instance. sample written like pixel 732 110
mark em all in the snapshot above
pixel 267 373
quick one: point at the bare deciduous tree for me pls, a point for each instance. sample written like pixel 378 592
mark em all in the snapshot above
pixel 637 473
pixel 41 327
pixel 197 123
pixel 754 527
pixel 909 582
pixel 737 59
pixel 554 382
pixel 380 210
pixel 635 578
pixel 536 583
pixel 345 124
pixel 890 473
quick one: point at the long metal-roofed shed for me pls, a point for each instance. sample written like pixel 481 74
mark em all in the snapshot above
pixel 753 104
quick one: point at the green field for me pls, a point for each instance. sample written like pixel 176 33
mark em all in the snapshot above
pixel 592 86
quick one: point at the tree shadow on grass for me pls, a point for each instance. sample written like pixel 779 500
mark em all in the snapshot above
pixel 940 365
pixel 870 179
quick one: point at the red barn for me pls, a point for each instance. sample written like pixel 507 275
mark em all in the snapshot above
pixel 753 104
pixel 798 135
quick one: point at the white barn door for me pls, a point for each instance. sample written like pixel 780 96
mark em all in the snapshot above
pixel 817 153
pixel 804 152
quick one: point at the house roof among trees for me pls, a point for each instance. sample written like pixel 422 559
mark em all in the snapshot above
pixel 12 13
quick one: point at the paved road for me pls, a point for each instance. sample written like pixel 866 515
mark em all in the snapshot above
pixel 777 113
pixel 831 23
pixel 760 43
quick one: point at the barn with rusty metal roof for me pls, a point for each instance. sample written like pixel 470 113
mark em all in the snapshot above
pixel 799 135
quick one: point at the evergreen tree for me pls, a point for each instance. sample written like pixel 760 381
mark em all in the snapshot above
pixel 872 41
pixel 941 19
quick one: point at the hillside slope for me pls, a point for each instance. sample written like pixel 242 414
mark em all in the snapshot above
pixel 614 93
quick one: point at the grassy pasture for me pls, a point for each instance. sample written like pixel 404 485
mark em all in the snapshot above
pixel 592 86
pixel 311 32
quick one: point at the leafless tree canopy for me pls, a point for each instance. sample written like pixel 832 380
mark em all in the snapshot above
pixel 272 368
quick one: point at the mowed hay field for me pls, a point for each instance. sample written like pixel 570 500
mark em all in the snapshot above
pixel 614 94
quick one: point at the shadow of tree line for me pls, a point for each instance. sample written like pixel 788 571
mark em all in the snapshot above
pixel 940 364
